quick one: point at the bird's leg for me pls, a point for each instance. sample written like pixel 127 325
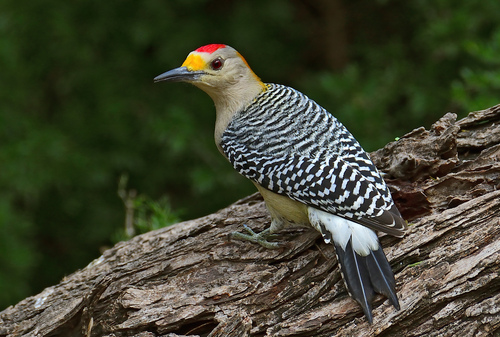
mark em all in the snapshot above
pixel 260 238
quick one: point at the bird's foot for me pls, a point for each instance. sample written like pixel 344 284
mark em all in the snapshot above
pixel 260 238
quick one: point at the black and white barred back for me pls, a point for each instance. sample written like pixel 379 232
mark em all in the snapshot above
pixel 289 144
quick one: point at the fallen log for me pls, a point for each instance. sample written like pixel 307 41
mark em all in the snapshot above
pixel 191 279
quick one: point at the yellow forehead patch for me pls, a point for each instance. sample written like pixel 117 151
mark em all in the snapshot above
pixel 194 62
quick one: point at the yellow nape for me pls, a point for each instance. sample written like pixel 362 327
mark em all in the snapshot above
pixel 194 62
pixel 253 74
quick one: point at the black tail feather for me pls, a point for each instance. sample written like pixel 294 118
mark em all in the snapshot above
pixel 356 277
pixel 366 275
pixel 381 276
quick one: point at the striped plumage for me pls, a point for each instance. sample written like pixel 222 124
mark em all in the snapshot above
pixel 309 168
pixel 289 144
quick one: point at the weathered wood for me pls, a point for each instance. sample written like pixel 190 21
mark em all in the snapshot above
pixel 191 279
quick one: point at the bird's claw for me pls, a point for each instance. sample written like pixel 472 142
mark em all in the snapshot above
pixel 259 238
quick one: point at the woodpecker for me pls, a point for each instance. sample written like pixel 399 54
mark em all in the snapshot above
pixel 308 167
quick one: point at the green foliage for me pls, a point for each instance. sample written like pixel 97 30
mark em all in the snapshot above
pixel 154 214
pixel 142 214
pixel 447 61
pixel 479 83
pixel 78 108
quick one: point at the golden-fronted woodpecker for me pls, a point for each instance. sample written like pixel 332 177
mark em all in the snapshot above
pixel 308 167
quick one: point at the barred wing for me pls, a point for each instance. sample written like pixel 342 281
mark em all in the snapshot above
pixel 332 185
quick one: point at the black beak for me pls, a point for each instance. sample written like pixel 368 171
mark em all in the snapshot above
pixel 181 74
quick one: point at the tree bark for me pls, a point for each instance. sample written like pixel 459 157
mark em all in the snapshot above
pixel 192 279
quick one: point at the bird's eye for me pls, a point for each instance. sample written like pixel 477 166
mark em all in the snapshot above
pixel 217 64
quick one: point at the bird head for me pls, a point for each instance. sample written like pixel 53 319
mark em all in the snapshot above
pixel 221 72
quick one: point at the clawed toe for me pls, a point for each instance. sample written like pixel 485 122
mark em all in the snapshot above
pixel 259 238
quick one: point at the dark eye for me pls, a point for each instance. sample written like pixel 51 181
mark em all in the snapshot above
pixel 217 64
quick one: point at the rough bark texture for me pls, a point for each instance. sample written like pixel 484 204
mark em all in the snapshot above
pixel 191 279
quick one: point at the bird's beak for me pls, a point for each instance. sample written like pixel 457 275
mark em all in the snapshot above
pixel 181 74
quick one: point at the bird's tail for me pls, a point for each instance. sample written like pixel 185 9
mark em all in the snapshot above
pixel 363 264
pixel 366 275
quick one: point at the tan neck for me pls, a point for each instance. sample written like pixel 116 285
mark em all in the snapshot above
pixel 229 101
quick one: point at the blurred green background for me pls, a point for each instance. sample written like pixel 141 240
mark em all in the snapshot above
pixel 79 111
